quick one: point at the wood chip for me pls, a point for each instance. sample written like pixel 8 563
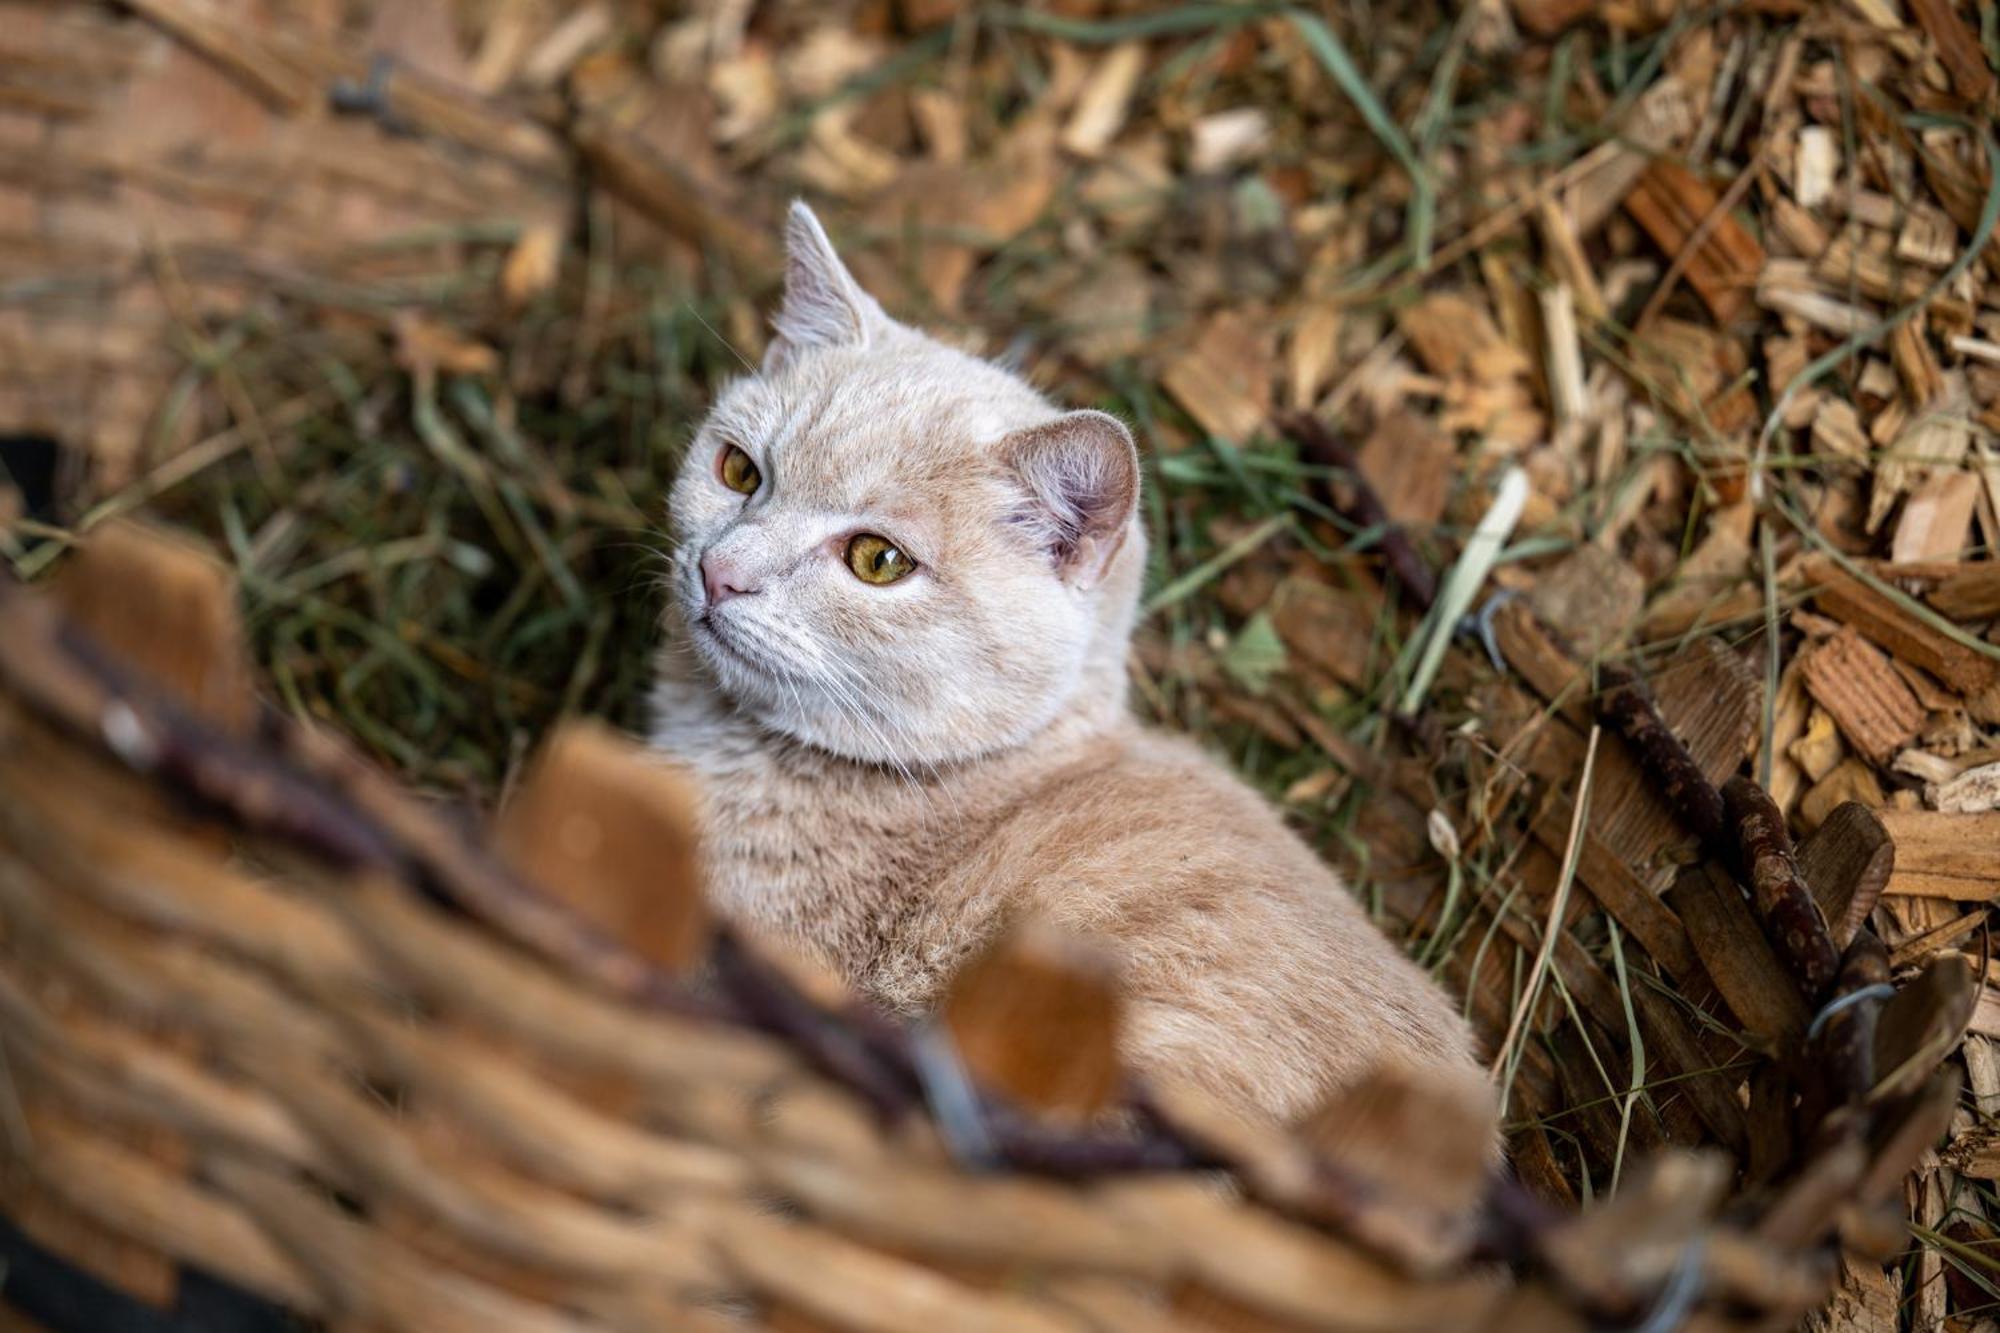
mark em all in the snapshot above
pixel 1845 598
pixel 1847 862
pixel 1851 780
pixel 1873 707
pixel 1672 204
pixel 1970 792
pixel 1224 379
pixel 1944 855
pixel 1817 163
pixel 1409 461
pixel 1819 749
pixel 1106 100
pixel 1836 430
pixel 1590 597
pixel 1937 518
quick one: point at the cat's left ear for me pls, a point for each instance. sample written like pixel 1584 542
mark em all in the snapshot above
pixel 1080 475
pixel 823 306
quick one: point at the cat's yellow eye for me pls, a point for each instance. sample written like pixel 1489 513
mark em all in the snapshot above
pixel 876 559
pixel 738 472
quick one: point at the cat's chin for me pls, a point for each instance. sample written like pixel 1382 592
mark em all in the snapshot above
pixel 757 690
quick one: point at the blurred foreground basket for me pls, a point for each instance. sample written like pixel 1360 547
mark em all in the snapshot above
pixel 268 1019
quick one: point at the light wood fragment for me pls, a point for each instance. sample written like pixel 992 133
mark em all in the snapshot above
pixel 1937 518
pixel 1816 165
pixel 1836 430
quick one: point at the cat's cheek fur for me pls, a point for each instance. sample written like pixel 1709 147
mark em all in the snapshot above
pixel 914 766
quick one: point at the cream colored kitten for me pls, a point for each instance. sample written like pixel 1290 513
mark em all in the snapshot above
pixel 902 596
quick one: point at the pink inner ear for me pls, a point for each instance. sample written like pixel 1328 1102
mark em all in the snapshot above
pixel 1082 478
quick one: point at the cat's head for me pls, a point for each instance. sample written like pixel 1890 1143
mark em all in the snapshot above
pixel 895 551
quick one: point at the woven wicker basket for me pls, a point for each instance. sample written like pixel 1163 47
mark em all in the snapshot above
pixel 270 1021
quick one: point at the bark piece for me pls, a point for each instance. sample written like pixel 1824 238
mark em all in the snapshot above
pixel 1873 706
pixel 1790 915
pixel 1846 862
pixel 1674 206
pixel 1733 949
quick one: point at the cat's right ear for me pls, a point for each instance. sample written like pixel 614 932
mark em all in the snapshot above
pixel 824 306
pixel 1080 478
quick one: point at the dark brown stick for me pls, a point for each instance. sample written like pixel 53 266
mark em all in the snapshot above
pixel 1791 917
pixel 1626 707
pixel 1364 509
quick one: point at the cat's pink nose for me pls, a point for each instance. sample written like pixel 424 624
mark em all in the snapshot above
pixel 723 580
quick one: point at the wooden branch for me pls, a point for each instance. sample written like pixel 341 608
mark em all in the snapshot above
pixel 1790 915
pixel 1628 709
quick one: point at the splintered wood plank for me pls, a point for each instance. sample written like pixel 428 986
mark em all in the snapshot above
pixel 1732 946
pixel 1939 855
pixel 1675 206
pixel 1847 862
pixel 1711 698
pixel 1872 705
pixel 1847 599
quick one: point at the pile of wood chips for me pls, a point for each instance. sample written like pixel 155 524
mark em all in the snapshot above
pixel 1723 283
